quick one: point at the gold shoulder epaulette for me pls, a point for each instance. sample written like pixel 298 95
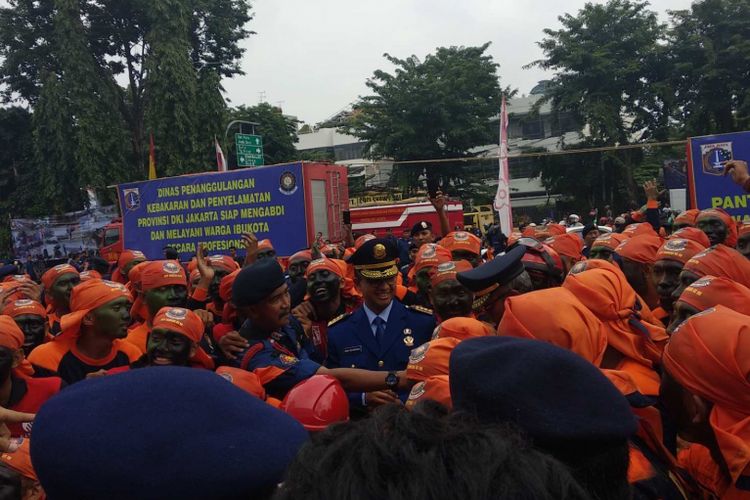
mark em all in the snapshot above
pixel 339 318
pixel 421 309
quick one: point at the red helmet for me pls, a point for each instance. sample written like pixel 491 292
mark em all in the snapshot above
pixel 317 402
pixel 542 258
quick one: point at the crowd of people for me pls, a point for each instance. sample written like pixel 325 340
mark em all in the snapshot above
pixel 567 364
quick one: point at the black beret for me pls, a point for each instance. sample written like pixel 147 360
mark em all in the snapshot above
pixel 161 432
pixel 500 270
pixel 553 394
pixel 256 282
pixel 421 226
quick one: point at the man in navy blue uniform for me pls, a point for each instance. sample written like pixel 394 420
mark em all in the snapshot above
pixel 276 345
pixel 381 334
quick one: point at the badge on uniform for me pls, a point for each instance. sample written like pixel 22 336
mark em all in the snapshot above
pixel 408 339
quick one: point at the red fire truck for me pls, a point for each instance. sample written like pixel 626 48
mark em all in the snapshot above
pixel 401 216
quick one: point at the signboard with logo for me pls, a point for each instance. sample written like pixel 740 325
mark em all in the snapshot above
pixel 215 209
pixel 709 188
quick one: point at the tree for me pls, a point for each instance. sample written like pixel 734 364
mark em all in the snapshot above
pixel 279 132
pixel 609 73
pixel 437 108
pixel 709 52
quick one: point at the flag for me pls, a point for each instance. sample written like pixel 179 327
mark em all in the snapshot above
pixel 151 158
pixel 221 161
pixel 502 197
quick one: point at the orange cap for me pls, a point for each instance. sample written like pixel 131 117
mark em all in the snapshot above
pixel 693 234
pixel 160 273
pixel 609 240
pixel 223 262
pixel 708 356
pixel 187 323
pixel 325 264
pixel 51 275
pixel 640 248
pixel 430 255
pixel 710 291
pixel 24 306
pixel 722 261
pixel 436 388
pixel 679 250
pixel 85 298
pixel 430 359
pixel 718 213
pixel 687 217
pixel 462 329
pixel 556 316
pixel 569 244
pixel 462 240
pixel 448 271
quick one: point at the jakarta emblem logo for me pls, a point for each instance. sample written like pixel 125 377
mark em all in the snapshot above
pixel 171 268
pixel 417 391
pixel 715 156
pixel 418 354
pixel 378 251
pixel 461 236
pixel 288 183
pixel 176 313
pixel 23 302
pixel 702 283
pixel 132 198
pixel 676 245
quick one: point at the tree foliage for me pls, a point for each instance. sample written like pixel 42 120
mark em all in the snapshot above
pixel 279 132
pixel 437 108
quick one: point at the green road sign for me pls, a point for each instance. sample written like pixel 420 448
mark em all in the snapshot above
pixel 249 150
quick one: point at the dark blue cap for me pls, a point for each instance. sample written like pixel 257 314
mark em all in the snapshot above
pixel 256 282
pixel 421 226
pixel 161 432
pixel 7 270
pixel 376 259
pixel 500 270
pixel 552 394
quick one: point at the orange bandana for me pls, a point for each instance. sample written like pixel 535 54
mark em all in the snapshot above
pixel 225 285
pixel 461 240
pixel 223 262
pixel 711 291
pixel 638 229
pixel 430 255
pixel 329 251
pixel 609 240
pixel 327 264
pixel 430 359
pixel 448 271
pixel 569 245
pixel 160 273
pixel 687 217
pixel 556 229
pixel 301 256
pixel 187 323
pixel 12 337
pixel 720 214
pixel 24 306
pixel 126 257
pixel 607 294
pixel 436 388
pixel 49 277
pixel 265 245
pixel 556 316
pixel 743 229
pixel 85 298
pixel 679 250
pixel 245 380
pixel 709 355
pixel 693 234
pixel 721 261
pixel 462 329
pixel 91 275
pixel 641 248
pixel 362 240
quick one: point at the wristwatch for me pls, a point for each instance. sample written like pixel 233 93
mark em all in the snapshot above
pixel 391 381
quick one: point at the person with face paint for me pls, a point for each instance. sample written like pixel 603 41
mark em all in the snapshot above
pixel 18 390
pixel 718 226
pixel 206 294
pixel 543 263
pixel 298 263
pixel 429 256
pixel 128 259
pixel 720 261
pixel 708 292
pixel 638 256
pixel 58 283
pixel 31 318
pixel 326 301
pixel 706 390
pixel 449 298
pixel 162 283
pixel 93 334
pixel 743 240
pixel 670 259
pixel 463 246
pixel 605 245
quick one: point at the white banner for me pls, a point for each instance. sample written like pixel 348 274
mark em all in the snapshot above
pixel 502 197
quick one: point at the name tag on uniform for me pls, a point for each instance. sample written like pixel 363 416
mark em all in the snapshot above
pixel 352 349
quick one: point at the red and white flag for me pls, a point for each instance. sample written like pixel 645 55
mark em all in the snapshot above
pixel 502 197
pixel 221 161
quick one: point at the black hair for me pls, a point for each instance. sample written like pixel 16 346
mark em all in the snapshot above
pixel 424 454
pixel 171 254
pixel 6 363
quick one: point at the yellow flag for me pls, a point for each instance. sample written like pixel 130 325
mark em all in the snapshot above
pixel 151 158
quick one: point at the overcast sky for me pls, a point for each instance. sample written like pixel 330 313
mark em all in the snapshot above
pixel 312 57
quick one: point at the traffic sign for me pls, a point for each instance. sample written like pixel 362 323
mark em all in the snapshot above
pixel 249 150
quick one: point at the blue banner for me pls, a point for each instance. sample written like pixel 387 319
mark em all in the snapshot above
pixel 215 209
pixel 708 186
